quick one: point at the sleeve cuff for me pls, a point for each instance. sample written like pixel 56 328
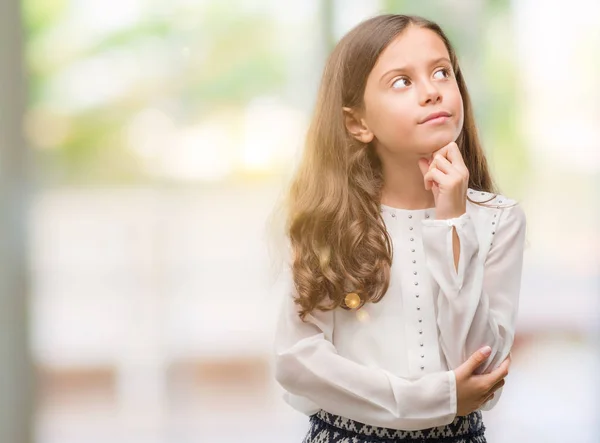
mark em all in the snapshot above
pixel 456 221
pixel 453 395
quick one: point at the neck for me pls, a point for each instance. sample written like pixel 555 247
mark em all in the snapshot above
pixel 404 186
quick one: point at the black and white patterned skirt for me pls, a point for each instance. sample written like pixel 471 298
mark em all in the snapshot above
pixel 330 428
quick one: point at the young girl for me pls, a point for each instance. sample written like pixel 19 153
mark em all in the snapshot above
pixel 371 347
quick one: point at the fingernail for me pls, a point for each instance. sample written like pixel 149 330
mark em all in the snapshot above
pixel 486 351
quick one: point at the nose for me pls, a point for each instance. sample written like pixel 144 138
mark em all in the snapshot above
pixel 429 94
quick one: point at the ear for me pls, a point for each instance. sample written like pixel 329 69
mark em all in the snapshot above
pixel 357 126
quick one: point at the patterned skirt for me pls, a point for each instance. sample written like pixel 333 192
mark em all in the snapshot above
pixel 330 428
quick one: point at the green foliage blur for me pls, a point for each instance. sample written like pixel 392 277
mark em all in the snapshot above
pixel 195 60
pixel 206 57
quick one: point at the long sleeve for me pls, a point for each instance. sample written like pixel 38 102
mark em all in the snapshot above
pixel 478 302
pixel 312 372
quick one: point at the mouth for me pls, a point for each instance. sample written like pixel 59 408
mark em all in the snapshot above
pixel 437 117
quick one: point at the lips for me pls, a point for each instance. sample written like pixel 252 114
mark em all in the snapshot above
pixel 435 115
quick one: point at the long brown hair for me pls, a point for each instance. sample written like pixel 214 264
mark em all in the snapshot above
pixel 337 235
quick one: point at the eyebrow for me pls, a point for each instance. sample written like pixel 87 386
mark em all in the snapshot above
pixel 405 68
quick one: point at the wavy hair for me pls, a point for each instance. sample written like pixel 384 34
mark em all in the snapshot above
pixel 337 236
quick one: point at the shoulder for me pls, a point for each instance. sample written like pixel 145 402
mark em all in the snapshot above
pixel 489 199
pixel 500 207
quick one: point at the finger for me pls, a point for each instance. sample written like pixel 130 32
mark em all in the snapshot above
pixel 423 165
pixel 452 152
pixel 507 361
pixel 438 176
pixel 428 182
pixel 443 150
pixel 499 373
pixel 488 398
pixel 455 157
pixel 477 358
pixel 496 387
pixel 444 165
pixel 505 364
pixel 490 392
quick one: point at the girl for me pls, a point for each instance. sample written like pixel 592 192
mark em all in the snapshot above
pixel 371 347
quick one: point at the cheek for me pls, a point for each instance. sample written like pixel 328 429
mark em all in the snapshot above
pixel 458 109
pixel 394 128
pixel 388 118
pixel 396 117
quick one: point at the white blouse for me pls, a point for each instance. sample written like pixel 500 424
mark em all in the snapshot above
pixel 390 363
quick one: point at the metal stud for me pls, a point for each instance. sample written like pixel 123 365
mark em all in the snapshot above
pixel 420 331
pixel 393 215
pixel 412 239
pixel 409 216
pixel 483 193
pixel 426 215
pixel 417 295
pixel 411 228
pixel 414 272
pixel 422 367
pixel 421 344
pixel 412 250
pixel 416 283
pixel 499 201
pixel 414 261
pixel 493 223
pixel 418 308
pixel 422 355
pixel 493 232
pixel 420 320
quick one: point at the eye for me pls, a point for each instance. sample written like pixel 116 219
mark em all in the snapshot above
pixel 402 81
pixel 446 72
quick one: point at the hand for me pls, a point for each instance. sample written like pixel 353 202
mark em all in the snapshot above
pixel 474 390
pixel 448 178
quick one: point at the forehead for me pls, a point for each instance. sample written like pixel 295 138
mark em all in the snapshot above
pixel 411 49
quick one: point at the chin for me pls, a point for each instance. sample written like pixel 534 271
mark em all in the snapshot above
pixel 439 141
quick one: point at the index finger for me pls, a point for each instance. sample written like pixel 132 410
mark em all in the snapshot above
pixel 501 371
pixel 493 377
pixel 455 157
pixel 452 152
pixel 443 151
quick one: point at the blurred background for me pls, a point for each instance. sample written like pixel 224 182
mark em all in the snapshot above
pixel 144 146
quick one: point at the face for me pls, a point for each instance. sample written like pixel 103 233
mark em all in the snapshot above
pixel 413 79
